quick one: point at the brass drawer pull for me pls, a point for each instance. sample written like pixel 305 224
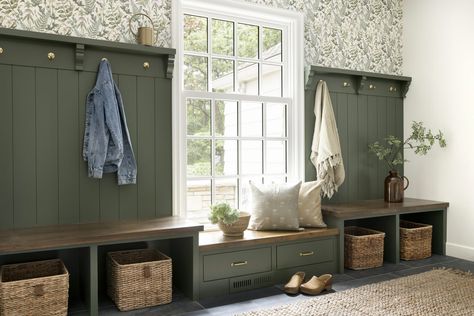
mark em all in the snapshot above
pixel 238 263
pixel 306 253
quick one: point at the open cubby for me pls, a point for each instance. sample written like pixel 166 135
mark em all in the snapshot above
pixel 76 262
pixel 385 224
pixel 385 217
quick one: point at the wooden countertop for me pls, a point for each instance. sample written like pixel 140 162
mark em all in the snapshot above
pixel 214 240
pixel 374 208
pixel 77 235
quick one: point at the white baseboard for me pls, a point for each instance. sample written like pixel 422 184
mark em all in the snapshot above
pixel 460 251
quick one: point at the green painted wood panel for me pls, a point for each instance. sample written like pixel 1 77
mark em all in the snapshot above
pixel 372 167
pixel 47 207
pixel 6 143
pixel 128 208
pixel 381 133
pixel 352 171
pixel 89 189
pixel 42 117
pixel 24 149
pixel 361 119
pixel 69 149
pixel 363 155
pixel 163 156
pixel 146 147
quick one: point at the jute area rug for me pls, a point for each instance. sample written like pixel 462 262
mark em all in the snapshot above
pixel 437 292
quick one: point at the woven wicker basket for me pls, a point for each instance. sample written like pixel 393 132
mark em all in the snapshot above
pixel 363 248
pixel 415 240
pixel 34 288
pixel 138 278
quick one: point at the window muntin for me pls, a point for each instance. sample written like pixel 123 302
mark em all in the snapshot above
pixel 237 115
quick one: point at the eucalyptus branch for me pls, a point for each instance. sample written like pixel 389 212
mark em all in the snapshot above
pixel 420 141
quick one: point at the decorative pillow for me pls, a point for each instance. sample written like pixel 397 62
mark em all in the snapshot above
pixel 274 206
pixel 309 205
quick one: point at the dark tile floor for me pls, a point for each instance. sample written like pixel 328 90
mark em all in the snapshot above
pixel 273 296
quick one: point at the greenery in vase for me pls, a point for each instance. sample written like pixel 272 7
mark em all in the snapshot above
pixel 420 141
pixel 222 212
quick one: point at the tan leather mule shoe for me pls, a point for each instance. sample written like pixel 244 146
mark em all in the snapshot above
pixel 327 279
pixel 293 286
pixel 316 285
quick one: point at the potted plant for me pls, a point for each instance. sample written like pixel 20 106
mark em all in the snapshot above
pixel 420 141
pixel 232 222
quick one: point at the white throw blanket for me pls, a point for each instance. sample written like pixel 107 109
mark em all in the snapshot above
pixel 326 153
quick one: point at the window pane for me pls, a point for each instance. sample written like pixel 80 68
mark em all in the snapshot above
pixel 251 157
pixel 276 157
pixel 275 179
pixel 199 157
pixel 227 191
pixel 222 75
pixel 222 37
pixel 195 33
pixel 248 78
pixel 225 158
pixel 226 118
pixel 276 120
pixel 271 80
pixel 248 40
pixel 251 114
pixel 245 192
pixel 195 73
pixel 198 200
pixel 199 117
pixel 271 44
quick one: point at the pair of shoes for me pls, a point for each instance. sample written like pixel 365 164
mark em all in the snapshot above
pixel 314 286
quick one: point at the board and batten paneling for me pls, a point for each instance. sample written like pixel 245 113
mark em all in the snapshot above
pixel 368 107
pixel 42 114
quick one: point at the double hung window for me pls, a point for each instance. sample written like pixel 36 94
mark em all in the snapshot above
pixel 238 107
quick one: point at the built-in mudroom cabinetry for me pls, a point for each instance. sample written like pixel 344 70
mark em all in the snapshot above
pixel 368 107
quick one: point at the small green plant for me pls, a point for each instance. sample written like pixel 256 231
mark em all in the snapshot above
pixel 222 212
pixel 420 141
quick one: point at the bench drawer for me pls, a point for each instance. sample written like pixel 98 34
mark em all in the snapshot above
pixel 305 253
pixel 232 264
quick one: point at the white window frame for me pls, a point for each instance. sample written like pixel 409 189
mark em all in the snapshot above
pixel 293 54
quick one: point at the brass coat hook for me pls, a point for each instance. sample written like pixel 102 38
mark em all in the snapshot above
pixel 1 50
pixel 51 56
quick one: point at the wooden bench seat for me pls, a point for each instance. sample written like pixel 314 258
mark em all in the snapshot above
pixel 215 240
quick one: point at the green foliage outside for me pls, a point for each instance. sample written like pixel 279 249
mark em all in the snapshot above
pixel 420 141
pixel 196 78
pixel 222 212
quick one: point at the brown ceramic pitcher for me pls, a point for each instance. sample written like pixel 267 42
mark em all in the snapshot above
pixel 394 187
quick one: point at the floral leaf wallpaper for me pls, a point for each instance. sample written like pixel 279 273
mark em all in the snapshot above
pixel 354 34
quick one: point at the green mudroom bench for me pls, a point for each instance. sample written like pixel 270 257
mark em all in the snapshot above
pixel 83 248
pixel 258 259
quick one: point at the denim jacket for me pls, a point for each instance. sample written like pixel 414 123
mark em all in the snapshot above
pixel 107 147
